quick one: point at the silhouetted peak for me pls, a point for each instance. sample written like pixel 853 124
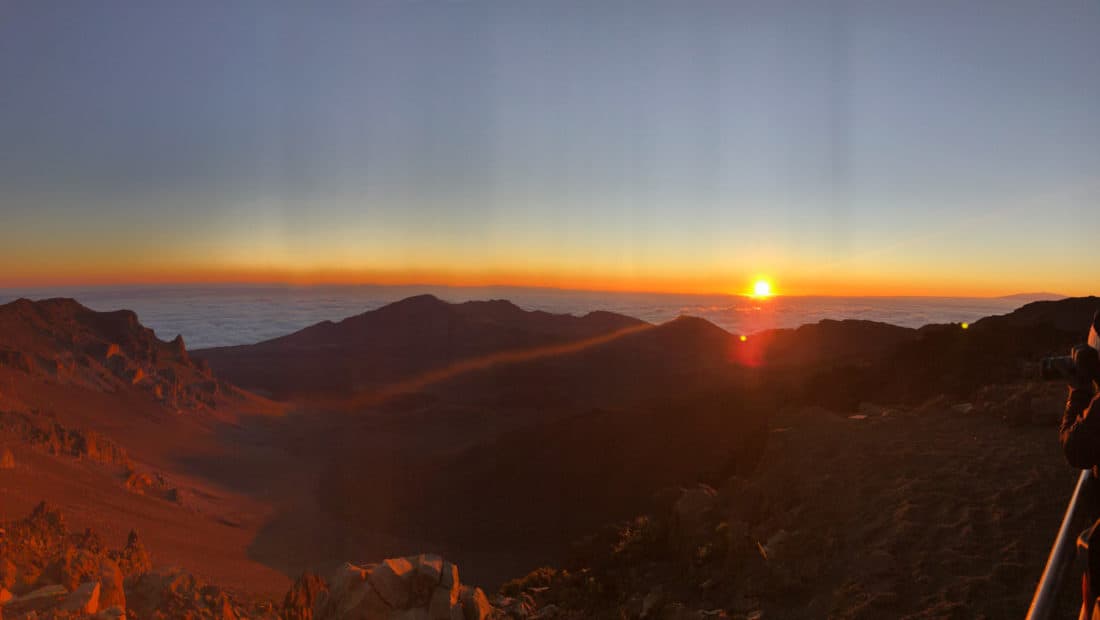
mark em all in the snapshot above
pixel 50 306
pixel 489 309
pixel 492 303
pixel 1070 315
pixel 694 325
pixel 422 301
pixel 178 345
pixel 851 326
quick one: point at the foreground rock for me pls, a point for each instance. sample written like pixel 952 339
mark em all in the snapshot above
pixel 48 572
pixel 417 587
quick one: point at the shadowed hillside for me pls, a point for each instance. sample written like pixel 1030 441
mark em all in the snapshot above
pixel 397 342
pixel 947 359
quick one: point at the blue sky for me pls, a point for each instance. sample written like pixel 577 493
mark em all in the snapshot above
pixel 929 147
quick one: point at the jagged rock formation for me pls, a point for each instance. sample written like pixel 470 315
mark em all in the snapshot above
pixel 55 438
pixel 48 572
pixel 59 340
pixel 420 586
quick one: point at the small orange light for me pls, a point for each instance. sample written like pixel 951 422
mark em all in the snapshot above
pixel 966 325
pixel 744 338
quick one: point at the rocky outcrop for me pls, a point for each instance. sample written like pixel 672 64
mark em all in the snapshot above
pixel 414 587
pixel 52 573
pixel 48 572
pixel 133 559
pixel 62 341
pixel 179 594
pixel 46 433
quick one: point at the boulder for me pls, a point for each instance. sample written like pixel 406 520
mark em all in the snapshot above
pixel 5 596
pixel 84 599
pixel 177 594
pixel 42 599
pixel 418 587
pixel 441 602
pixel 475 605
pixel 429 575
pixel 111 593
pixel 393 580
pixel 350 595
pixel 430 567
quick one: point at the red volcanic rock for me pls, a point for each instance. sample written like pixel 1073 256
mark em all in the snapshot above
pixel 55 438
pixel 61 341
pixel 299 601
pixel 83 600
pixel 132 560
pixel 392 579
pixel 112 592
pixel 419 586
pixel 37 601
pixel 475 605
pixel 176 594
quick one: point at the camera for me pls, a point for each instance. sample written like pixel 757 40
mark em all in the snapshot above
pixel 1083 363
pixel 1057 367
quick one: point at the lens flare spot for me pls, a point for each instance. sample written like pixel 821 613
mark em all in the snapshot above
pixel 744 338
pixel 966 325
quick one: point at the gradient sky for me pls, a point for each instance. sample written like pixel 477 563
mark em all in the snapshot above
pixel 871 147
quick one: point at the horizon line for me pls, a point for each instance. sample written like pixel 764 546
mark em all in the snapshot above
pixel 579 289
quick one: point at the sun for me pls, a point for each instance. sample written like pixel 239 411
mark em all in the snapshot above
pixel 761 288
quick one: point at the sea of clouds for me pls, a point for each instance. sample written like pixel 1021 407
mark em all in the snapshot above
pixel 216 315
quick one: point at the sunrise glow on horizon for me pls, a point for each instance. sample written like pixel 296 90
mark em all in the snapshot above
pixel 681 148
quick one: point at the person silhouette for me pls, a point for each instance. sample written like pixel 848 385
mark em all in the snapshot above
pixel 1079 434
pixel 1080 429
